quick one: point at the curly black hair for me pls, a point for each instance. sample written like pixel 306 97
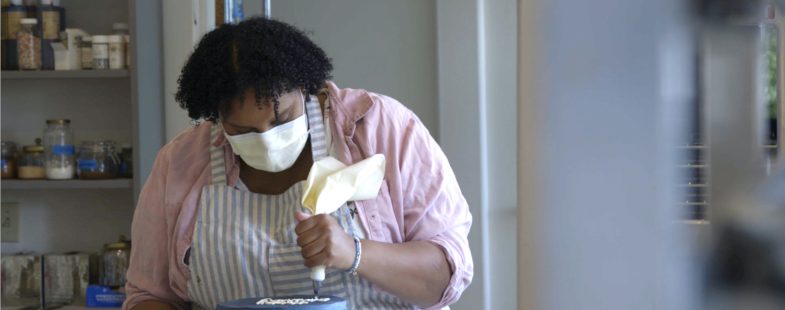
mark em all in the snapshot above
pixel 269 56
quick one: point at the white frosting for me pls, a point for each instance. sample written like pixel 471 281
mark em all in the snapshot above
pixel 291 301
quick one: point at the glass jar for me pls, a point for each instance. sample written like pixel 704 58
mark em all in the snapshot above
pixel 97 160
pixel 31 165
pixel 100 52
pixel 116 52
pixel 86 52
pixel 28 45
pixel 114 263
pixel 8 161
pixel 59 150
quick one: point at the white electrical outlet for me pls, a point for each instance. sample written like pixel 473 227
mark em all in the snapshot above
pixel 9 215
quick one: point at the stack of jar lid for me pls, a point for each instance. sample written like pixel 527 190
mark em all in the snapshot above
pixel 56 158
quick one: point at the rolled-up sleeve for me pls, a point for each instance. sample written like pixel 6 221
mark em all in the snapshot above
pixel 434 207
pixel 148 272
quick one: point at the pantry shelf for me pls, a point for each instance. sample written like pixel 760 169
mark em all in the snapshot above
pixel 66 184
pixel 70 74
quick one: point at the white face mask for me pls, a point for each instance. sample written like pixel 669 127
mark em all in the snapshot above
pixel 274 150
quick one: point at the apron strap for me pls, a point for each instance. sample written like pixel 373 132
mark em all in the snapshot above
pixel 316 124
pixel 217 162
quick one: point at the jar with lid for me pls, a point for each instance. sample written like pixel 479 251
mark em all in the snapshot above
pixel 49 16
pixel 31 165
pixel 8 161
pixel 86 52
pixel 59 150
pixel 116 52
pixel 114 263
pixel 100 52
pixel 121 29
pixel 97 160
pixel 28 45
pixel 11 22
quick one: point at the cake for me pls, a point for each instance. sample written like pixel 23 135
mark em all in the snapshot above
pixel 298 302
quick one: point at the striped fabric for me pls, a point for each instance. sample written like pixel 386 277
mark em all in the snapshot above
pixel 244 244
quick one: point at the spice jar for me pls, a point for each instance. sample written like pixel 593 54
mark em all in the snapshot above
pixel 86 51
pixel 121 29
pixel 31 165
pixel 100 52
pixel 8 161
pixel 49 26
pixel 116 52
pixel 114 263
pixel 28 45
pixel 50 20
pixel 12 15
pixel 97 160
pixel 11 22
pixel 59 149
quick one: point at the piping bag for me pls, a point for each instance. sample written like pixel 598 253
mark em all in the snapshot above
pixel 330 184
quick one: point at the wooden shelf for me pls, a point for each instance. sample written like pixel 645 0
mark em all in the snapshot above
pixel 69 74
pixel 66 184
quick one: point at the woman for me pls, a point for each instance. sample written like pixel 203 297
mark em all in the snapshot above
pixel 220 216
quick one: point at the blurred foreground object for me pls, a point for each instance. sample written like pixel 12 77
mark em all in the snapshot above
pixel 745 262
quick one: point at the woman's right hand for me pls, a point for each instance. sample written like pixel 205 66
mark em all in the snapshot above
pixel 324 242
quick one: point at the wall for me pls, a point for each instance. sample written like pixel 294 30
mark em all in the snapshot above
pixel 184 24
pixel 387 47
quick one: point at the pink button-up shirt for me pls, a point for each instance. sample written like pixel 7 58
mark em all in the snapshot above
pixel 419 200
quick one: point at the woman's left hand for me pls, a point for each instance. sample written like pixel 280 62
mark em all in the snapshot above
pixel 323 241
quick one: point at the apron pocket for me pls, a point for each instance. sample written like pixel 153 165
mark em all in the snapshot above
pixel 289 275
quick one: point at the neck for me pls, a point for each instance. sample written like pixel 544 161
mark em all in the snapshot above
pixel 274 183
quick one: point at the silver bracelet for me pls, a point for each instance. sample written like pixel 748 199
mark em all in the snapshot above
pixel 358 253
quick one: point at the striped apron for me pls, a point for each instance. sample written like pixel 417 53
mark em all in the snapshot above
pixel 244 244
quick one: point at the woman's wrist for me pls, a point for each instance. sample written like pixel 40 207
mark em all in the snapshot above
pixel 357 256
